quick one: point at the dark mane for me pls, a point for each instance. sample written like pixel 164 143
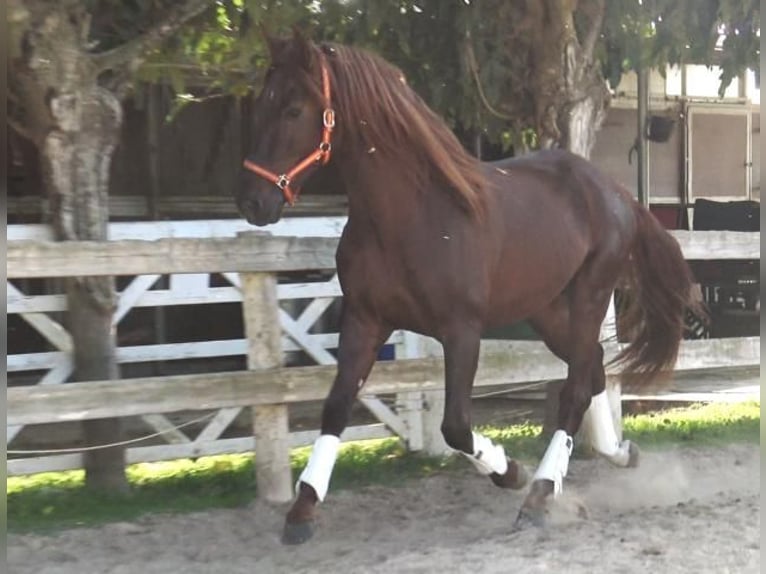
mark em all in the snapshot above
pixel 377 108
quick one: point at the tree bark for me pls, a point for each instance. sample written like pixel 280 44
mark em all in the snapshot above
pixel 76 125
pixel 571 92
pixel 66 100
pixel 77 155
pixel 552 81
pixel 579 125
pixel 570 95
pixel 91 328
pixel 80 200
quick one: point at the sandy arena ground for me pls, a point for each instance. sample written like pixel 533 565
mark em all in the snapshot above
pixel 683 510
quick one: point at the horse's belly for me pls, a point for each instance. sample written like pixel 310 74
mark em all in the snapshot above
pixel 523 286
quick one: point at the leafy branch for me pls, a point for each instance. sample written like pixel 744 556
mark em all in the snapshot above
pixel 133 52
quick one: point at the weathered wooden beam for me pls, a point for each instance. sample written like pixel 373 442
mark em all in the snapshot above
pixel 692 354
pixel 35 404
pixel 138 206
pixel 250 253
pixel 505 363
pixel 264 351
pixel 201 228
pixel 717 353
pixel 256 253
pixel 709 245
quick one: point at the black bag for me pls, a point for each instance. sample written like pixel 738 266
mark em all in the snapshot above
pixel 727 215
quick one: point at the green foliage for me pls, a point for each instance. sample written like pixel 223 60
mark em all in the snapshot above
pixel 661 32
pixel 114 22
pixel 217 54
pixel 224 50
pixel 56 500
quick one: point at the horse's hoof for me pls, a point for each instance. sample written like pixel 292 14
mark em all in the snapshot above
pixel 516 477
pixel 634 454
pixel 297 532
pixel 530 517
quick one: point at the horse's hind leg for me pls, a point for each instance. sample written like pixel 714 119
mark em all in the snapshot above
pixel 553 325
pixel 603 433
pixel 461 355
pixel 360 340
pixel 570 327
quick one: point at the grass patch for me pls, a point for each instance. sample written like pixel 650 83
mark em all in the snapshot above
pixel 711 424
pixel 60 499
pixel 57 500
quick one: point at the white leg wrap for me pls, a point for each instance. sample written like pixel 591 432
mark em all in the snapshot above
pixel 555 461
pixel 319 468
pixel 487 457
pixel 604 436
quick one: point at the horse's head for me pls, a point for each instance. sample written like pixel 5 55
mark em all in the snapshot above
pixel 292 126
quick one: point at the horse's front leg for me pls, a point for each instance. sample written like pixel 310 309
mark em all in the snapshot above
pixel 461 356
pixel 360 340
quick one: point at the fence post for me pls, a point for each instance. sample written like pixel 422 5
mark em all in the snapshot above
pixel 431 408
pixel 409 405
pixel 270 422
pixel 433 412
pixel 613 386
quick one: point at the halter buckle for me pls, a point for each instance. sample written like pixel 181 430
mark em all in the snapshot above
pixel 328 118
pixel 282 182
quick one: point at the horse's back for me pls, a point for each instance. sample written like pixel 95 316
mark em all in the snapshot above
pixel 566 181
pixel 552 210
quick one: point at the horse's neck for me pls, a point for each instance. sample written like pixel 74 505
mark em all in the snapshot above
pixel 380 198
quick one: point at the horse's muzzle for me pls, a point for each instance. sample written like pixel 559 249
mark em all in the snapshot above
pixel 260 211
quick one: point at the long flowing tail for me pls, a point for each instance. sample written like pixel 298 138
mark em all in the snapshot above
pixel 659 295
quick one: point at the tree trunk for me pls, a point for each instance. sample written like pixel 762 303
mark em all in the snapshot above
pixel 78 155
pixel 580 125
pixel 571 97
pixel 83 125
pixel 571 92
pixel 91 327
pixel 585 109
pixel 66 99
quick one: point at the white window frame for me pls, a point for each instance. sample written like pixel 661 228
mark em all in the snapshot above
pixel 693 109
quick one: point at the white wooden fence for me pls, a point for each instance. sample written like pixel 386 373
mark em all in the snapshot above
pixel 178 243
pixel 189 252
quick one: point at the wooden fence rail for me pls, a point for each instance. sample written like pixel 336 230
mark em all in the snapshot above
pixel 248 253
pixel 500 363
pixel 255 252
pixel 267 388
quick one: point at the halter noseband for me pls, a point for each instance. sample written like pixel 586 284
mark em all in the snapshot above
pixel 320 155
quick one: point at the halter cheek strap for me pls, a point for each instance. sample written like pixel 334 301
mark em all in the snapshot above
pixel 319 156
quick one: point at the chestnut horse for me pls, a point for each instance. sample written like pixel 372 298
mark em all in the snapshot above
pixel 444 245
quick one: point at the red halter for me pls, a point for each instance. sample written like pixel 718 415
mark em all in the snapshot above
pixel 320 155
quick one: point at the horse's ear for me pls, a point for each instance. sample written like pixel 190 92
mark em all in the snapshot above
pixel 303 48
pixel 274 45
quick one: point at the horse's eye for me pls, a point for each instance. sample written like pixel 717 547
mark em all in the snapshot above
pixel 293 112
